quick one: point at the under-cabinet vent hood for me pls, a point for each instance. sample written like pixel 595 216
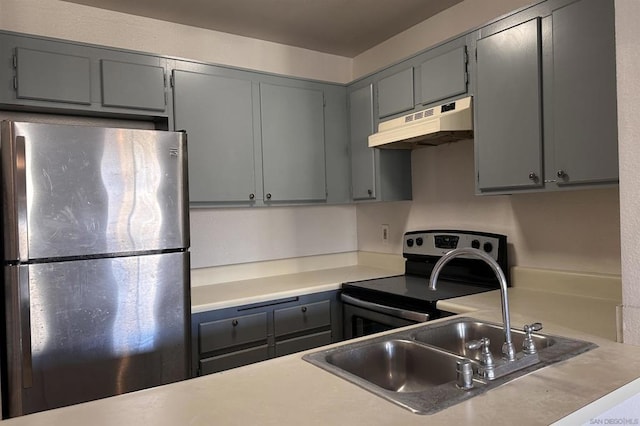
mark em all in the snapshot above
pixel 433 126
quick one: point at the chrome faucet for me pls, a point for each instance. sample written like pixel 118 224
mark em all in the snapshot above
pixel 508 349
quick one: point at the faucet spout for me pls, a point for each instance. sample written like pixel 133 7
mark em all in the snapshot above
pixel 508 349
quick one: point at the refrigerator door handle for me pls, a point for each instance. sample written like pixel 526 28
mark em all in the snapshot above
pixel 25 327
pixel 21 198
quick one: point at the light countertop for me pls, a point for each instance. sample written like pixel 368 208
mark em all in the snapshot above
pixel 243 292
pixel 288 390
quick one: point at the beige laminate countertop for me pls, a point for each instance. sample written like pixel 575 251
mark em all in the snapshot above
pixel 585 314
pixel 288 391
pixel 243 292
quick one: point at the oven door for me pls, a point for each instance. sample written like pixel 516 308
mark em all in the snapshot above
pixel 362 318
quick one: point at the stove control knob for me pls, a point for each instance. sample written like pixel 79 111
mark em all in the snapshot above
pixel 410 242
pixel 488 247
pixel 419 241
pixel 475 244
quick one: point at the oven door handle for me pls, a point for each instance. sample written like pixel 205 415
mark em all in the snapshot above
pixel 396 312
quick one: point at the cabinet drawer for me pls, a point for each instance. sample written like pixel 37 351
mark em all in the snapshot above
pixel 303 317
pixel 234 359
pixel 302 343
pixel 225 333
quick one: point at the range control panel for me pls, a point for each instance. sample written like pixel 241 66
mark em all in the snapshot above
pixel 437 243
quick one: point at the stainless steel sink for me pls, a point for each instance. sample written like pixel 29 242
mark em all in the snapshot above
pixel 453 337
pixel 397 365
pixel 416 367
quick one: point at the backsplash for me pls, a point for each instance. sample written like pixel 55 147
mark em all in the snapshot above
pixel 572 230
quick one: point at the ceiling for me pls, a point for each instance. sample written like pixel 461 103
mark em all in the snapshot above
pixel 341 27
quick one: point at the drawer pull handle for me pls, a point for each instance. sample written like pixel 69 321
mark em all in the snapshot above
pixel 304 309
pixel 234 323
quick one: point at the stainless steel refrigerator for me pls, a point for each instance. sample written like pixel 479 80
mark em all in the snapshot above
pixel 96 263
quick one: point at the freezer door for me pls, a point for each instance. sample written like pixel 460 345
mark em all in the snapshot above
pixel 88 329
pixel 78 190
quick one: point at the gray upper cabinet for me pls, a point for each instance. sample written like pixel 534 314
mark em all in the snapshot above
pixel 293 149
pixel 217 113
pixel 395 93
pixel 131 85
pixel 52 76
pixel 363 183
pixel 48 75
pixel 584 93
pixel 443 76
pixel 508 111
pixel 545 106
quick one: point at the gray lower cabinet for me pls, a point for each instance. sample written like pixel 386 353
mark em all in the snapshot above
pixel 217 113
pixel 302 327
pixel 47 75
pixel 383 175
pixel 293 146
pixel 545 106
pixel 232 337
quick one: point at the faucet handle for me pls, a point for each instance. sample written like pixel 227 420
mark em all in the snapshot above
pixel 487 365
pixel 530 328
pixel 528 346
pixel 485 354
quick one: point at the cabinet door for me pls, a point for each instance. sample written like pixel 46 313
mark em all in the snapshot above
pixel 217 114
pixel 508 114
pixel 293 157
pixel 129 85
pixel 584 93
pixel 363 181
pixel 395 93
pixel 444 76
pixel 301 318
pixel 216 335
pixel 234 359
pixel 51 76
pixel 302 343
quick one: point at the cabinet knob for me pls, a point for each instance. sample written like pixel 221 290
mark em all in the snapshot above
pixel 304 309
pixel 370 192
pixel 268 196
pixel 533 176
pixel 234 323
pixel 252 196
pixel 561 174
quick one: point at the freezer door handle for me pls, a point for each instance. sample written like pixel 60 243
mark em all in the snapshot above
pixel 25 327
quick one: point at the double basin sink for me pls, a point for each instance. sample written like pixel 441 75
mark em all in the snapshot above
pixel 417 368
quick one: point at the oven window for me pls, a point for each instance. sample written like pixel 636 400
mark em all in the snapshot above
pixel 364 326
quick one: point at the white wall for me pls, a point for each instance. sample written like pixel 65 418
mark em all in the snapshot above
pixel 458 19
pixel 226 236
pixel 59 19
pixel 573 230
pixel 628 69
pixel 230 236
pixel 576 230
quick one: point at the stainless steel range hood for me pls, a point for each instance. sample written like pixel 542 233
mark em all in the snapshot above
pixel 433 126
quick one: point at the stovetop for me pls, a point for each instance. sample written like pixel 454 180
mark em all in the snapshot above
pixel 409 291
pixel 459 277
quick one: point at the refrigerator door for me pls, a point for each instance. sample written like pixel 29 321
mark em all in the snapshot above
pixel 76 190
pixel 87 329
